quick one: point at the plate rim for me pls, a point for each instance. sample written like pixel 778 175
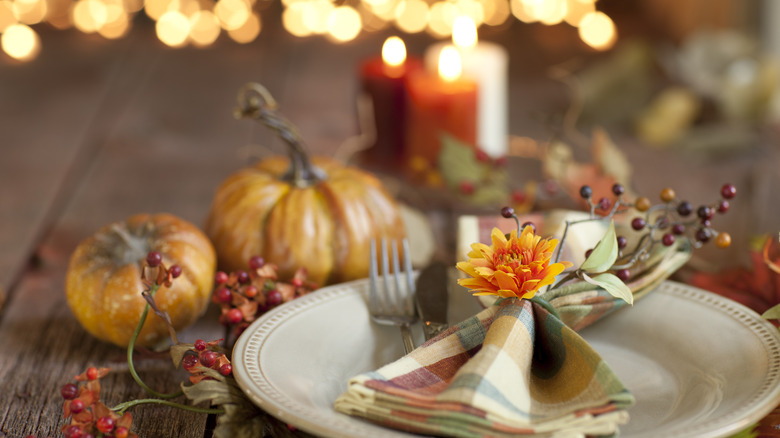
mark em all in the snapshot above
pixel 260 390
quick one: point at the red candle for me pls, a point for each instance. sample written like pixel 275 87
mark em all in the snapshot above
pixel 383 79
pixel 438 104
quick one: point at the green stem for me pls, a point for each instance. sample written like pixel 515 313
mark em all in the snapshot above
pixel 122 407
pixel 131 346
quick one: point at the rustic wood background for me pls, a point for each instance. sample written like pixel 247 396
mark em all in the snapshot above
pixel 94 131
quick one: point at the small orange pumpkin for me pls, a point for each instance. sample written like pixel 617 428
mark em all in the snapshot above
pixel 294 212
pixel 103 283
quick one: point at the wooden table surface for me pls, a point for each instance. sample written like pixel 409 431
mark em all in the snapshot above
pixel 94 131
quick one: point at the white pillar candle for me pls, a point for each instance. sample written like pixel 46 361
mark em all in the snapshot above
pixel 486 64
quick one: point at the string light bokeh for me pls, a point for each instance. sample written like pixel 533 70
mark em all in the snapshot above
pixel 200 23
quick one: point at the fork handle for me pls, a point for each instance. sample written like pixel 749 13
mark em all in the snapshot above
pixel 406 335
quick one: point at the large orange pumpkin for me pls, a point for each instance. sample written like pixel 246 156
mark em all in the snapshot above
pixel 296 212
pixel 103 283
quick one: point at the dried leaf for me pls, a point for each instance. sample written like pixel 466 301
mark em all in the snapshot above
pixel 178 351
pixel 772 313
pixel 242 419
pixel 604 254
pixel 610 159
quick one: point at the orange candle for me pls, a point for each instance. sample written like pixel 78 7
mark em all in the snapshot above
pixel 383 80
pixel 439 104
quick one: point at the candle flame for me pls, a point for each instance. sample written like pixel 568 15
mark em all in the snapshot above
pixel 449 64
pixel 394 51
pixel 464 32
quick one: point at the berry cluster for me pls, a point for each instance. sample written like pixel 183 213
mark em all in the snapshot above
pixel 89 417
pixel 662 223
pixel 245 295
pixel 205 355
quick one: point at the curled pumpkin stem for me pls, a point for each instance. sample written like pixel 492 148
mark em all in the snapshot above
pixel 255 102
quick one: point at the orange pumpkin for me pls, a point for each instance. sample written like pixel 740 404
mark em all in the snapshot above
pixel 103 283
pixel 294 212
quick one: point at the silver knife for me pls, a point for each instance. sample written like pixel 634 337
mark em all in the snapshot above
pixel 431 296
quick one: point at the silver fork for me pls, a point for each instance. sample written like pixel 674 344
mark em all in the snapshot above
pixel 393 304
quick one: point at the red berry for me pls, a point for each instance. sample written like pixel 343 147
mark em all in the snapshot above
pixel 586 192
pixel 250 291
pixel 223 295
pixel 519 196
pixel 243 277
pixel 622 242
pixel 618 189
pixel 105 424
pixel 256 262
pixel 175 271
pixel 668 239
pixel 684 208
pixel 704 212
pixel 121 432
pixel 200 345
pixel 234 316
pixel 481 155
pixel 207 358
pixel 507 212
pixel 728 191
pixel 73 432
pixel 92 373
pixel 550 187
pixel 605 204
pixel 220 277
pixel 297 282
pixel 623 274
pixel 703 235
pixel 189 361
pixel 76 406
pixel 723 206
pixel 466 187
pixel 226 369
pixel 638 223
pixel 678 229
pixel 273 297
pixel 153 259
pixel 69 391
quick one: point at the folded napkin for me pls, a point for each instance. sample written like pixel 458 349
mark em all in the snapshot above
pixel 513 369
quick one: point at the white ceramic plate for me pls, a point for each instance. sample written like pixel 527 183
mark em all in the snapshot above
pixel 698 364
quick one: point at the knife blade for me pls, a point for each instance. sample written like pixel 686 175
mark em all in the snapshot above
pixel 431 298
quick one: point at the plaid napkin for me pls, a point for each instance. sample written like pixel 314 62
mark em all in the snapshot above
pixel 513 369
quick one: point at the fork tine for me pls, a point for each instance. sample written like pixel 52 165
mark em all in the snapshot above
pixel 372 274
pixel 398 293
pixel 385 276
pixel 409 280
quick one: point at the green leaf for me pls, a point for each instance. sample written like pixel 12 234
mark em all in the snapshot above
pixel 457 162
pixel 613 285
pixel 772 313
pixel 604 254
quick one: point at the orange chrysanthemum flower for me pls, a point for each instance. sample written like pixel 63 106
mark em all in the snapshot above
pixel 514 267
